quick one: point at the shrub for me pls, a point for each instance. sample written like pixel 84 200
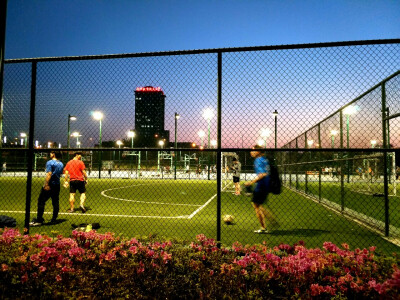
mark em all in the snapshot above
pixel 93 265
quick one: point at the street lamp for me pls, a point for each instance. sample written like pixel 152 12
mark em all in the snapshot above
pixel 310 143
pixel 201 134
pixel 265 133
pixel 98 116
pixel 275 114
pixel 76 135
pixel 373 143
pixel 119 143
pixel 70 118
pixel 131 134
pixel 349 110
pixel 161 143
pixel 24 137
pixel 260 142
pixel 333 134
pixel 177 116
pixel 208 114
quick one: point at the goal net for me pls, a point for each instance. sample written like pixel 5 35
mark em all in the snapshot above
pixel 226 174
pixel 368 174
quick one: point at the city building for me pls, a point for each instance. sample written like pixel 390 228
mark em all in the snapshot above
pixel 149 117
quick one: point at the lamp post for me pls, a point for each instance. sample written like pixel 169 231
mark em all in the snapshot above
pixel 76 135
pixel 161 143
pixel 265 133
pixel 373 143
pixel 98 116
pixel 201 134
pixel 131 134
pixel 333 134
pixel 349 110
pixel 309 144
pixel 275 114
pixel 119 143
pixel 177 116
pixel 24 137
pixel 70 118
pixel 208 114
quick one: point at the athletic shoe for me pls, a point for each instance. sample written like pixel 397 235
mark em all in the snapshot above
pixel 35 223
pixel 261 230
pixel 83 209
pixel 70 211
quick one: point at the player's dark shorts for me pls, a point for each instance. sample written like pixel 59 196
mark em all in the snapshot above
pixel 236 179
pixel 260 196
pixel 77 185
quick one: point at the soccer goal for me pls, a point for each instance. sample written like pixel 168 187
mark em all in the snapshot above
pixel 226 165
pixel 368 174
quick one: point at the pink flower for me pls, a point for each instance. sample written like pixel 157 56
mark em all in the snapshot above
pixel 42 268
pixel 58 278
pixel 4 267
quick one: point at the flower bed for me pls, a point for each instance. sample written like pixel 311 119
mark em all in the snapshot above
pixel 93 265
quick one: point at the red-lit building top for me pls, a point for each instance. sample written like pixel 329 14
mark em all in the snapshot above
pixel 150 89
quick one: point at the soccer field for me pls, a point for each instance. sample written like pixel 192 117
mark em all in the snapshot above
pixel 184 208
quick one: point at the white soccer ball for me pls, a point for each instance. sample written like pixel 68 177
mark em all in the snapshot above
pixel 228 219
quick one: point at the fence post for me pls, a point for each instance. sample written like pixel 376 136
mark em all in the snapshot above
pixel 320 167
pixel 219 122
pixel 306 174
pixel 297 166
pixel 3 17
pixel 385 164
pixel 30 146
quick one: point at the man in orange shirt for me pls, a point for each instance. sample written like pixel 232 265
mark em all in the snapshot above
pixel 75 175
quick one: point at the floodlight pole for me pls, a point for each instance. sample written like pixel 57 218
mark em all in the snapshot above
pixel 100 142
pixel 275 114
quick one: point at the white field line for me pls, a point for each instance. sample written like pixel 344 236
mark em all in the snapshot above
pixel 101 215
pixel 103 193
pixel 201 207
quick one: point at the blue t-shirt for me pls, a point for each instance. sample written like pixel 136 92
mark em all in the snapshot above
pixel 261 165
pixel 56 168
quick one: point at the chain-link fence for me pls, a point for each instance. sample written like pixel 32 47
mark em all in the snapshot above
pixel 158 134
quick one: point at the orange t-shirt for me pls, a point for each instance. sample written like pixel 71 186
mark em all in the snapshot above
pixel 75 168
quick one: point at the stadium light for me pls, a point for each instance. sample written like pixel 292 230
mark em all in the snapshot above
pixel 70 118
pixel 310 143
pixel 131 134
pixel 98 116
pixel 373 143
pixel 275 114
pixel 208 114
pixel 201 134
pixel 333 134
pixel 161 143
pixel 260 142
pixel 265 133
pixel 214 143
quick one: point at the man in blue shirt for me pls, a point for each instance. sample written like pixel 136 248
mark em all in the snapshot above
pixel 50 189
pixel 262 169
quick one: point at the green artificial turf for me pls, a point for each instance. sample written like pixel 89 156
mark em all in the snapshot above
pixel 184 208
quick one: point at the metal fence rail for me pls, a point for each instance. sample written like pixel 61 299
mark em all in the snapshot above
pixel 158 133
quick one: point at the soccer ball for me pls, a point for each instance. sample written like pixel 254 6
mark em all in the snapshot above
pixel 228 219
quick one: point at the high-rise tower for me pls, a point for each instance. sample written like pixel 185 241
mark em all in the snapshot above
pixel 149 116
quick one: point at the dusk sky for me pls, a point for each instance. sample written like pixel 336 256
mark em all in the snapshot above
pixel 49 28
pixel 43 28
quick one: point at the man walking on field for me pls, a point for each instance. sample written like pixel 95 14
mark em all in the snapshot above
pixel 75 175
pixel 50 189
